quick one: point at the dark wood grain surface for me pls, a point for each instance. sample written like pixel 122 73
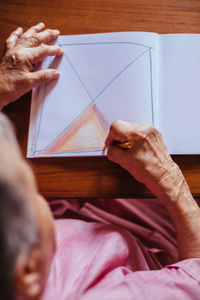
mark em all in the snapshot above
pixel 95 177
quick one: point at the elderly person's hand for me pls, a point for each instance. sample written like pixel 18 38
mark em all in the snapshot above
pixel 148 160
pixel 17 74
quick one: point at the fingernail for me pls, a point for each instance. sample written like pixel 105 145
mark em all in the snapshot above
pixel 61 51
pixel 55 74
pixel 18 30
pixel 56 31
pixel 40 25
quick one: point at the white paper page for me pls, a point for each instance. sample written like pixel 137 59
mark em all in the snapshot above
pixel 104 77
pixel 179 96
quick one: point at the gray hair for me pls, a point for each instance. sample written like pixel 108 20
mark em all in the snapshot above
pixel 18 228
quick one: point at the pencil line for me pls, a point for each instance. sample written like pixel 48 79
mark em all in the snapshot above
pixel 104 43
pixel 41 110
pixel 151 87
pixel 77 74
pixel 124 69
pixel 81 151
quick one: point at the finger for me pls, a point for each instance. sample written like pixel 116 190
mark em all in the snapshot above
pixel 34 29
pixel 41 37
pixel 116 154
pixel 48 35
pixel 42 76
pixel 37 54
pixel 119 132
pixel 12 39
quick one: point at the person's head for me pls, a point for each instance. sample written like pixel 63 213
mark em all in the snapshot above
pixel 27 241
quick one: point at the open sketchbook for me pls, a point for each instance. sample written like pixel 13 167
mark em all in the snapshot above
pixel 144 78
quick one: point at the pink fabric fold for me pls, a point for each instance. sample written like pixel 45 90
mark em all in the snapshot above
pixel 118 249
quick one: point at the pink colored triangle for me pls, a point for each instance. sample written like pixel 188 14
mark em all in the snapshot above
pixel 87 133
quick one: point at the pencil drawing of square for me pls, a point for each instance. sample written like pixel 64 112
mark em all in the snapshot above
pixel 100 81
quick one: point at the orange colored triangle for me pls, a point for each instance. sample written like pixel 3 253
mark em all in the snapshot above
pixel 87 133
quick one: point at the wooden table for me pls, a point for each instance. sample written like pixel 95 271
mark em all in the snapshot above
pixel 95 177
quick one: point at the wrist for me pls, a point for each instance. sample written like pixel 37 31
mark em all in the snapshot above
pixel 174 193
pixel 170 183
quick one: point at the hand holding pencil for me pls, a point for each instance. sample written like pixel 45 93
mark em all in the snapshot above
pixel 140 150
pixel 126 145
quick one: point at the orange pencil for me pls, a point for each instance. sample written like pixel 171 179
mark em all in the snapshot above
pixel 126 145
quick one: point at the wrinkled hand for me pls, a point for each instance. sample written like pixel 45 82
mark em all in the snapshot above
pixel 17 74
pixel 148 161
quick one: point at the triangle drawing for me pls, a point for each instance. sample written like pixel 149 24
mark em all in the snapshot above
pixel 87 133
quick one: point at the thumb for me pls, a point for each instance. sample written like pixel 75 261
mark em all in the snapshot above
pixel 120 131
pixel 42 76
pixel 116 154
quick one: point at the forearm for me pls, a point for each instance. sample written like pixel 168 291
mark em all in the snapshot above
pixel 175 195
